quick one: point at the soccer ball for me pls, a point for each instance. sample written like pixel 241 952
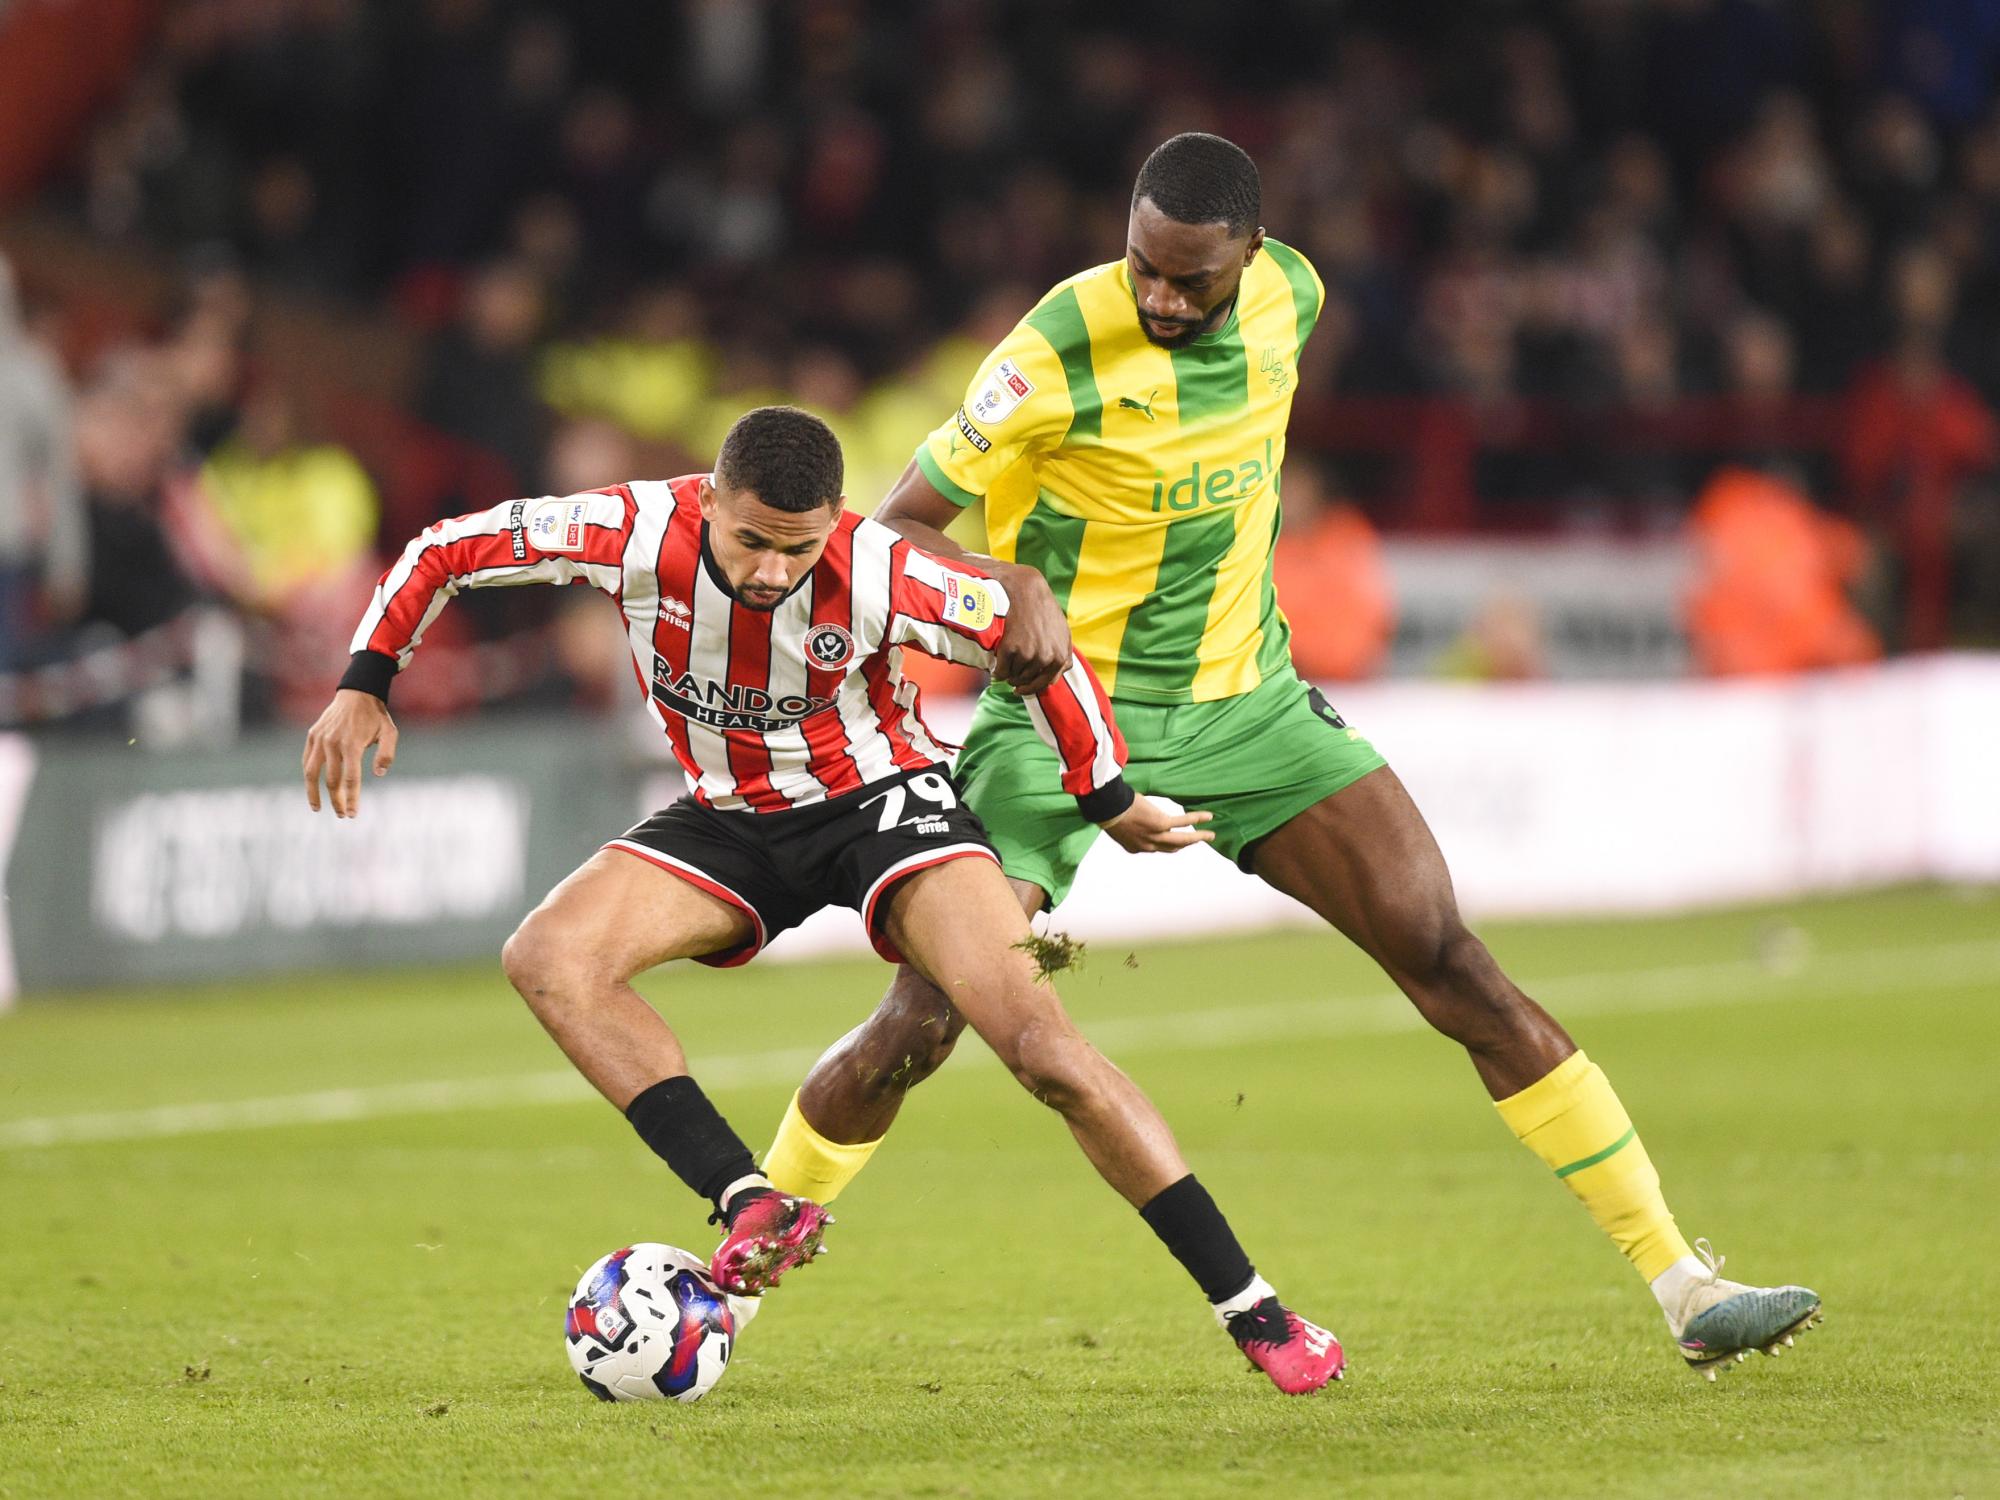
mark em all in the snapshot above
pixel 646 1324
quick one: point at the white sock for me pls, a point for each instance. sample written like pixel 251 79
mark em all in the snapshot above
pixel 1244 1300
pixel 1670 1287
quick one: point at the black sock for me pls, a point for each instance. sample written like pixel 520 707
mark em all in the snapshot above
pixel 675 1118
pixel 1189 1224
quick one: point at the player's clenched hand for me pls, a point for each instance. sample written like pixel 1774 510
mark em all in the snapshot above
pixel 1034 645
pixel 1146 827
pixel 335 744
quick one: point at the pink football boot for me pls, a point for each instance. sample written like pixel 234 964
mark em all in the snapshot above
pixel 765 1238
pixel 1300 1357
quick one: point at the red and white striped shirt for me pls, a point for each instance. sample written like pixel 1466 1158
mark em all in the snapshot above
pixel 765 709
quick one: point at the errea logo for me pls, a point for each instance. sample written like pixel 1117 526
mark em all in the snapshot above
pixel 676 612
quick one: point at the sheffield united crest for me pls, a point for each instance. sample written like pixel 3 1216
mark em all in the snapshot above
pixel 829 647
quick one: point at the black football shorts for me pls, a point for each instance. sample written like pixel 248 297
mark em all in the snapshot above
pixel 781 867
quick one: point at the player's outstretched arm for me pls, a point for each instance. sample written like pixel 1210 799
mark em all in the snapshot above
pixel 338 740
pixel 575 539
pixel 1034 647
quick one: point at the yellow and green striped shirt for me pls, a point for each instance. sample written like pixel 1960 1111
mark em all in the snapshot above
pixel 1142 482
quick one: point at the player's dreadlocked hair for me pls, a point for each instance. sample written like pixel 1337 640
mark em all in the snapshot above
pixel 1203 179
pixel 787 458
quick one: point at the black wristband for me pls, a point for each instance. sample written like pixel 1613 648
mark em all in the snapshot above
pixel 1189 1224
pixel 675 1118
pixel 370 672
pixel 1107 802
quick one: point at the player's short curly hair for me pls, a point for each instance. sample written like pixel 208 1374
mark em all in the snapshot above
pixel 787 458
pixel 1196 178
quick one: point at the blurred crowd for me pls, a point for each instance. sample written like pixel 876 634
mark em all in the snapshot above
pixel 611 227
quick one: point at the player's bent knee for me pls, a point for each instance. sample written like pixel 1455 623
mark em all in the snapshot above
pixel 1459 962
pixel 1463 993
pixel 543 961
pixel 898 1058
pixel 924 1057
pixel 525 959
pixel 912 1032
pixel 1420 940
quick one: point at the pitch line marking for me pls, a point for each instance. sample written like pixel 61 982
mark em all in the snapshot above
pixel 1610 992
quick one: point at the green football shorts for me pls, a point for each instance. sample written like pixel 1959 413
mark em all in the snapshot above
pixel 1255 761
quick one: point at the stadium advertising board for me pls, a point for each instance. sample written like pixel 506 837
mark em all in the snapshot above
pixel 1579 798
pixel 1548 799
pixel 129 868
pixel 1601 609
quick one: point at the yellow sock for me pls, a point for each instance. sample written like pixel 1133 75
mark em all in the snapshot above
pixel 1572 1120
pixel 806 1164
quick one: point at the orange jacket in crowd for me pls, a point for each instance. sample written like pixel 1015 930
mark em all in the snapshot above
pixel 1771 577
pixel 1333 586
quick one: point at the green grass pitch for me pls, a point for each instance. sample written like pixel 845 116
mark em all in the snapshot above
pixel 369 1303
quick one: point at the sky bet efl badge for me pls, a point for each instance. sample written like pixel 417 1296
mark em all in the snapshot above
pixel 557 525
pixel 1004 390
pixel 967 603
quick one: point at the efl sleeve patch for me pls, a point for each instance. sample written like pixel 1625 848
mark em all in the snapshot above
pixel 967 604
pixel 1003 390
pixel 558 525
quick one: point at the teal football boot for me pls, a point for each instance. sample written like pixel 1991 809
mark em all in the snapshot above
pixel 1719 1322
